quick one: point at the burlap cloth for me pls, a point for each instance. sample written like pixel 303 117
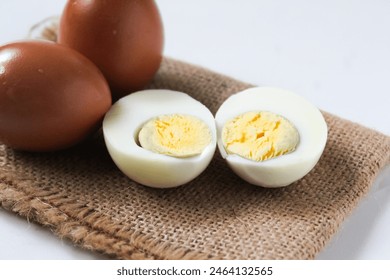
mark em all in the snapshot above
pixel 82 196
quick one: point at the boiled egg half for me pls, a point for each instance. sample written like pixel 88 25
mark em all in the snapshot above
pixel 160 138
pixel 270 137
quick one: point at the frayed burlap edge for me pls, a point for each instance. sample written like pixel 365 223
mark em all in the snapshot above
pixel 88 229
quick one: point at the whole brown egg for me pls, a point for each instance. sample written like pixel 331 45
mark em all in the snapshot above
pixel 124 38
pixel 51 97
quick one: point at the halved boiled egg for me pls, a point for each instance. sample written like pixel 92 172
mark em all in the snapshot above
pixel 270 137
pixel 160 138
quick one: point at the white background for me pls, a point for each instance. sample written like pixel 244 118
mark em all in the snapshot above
pixel 336 53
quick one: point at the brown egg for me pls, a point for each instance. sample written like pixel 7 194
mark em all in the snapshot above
pixel 51 97
pixel 124 38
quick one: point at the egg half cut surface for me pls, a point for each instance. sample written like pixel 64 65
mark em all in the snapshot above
pixel 160 138
pixel 270 137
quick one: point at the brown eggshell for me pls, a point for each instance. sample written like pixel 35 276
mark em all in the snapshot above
pixel 51 97
pixel 124 38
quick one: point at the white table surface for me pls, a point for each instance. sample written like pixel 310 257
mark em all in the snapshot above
pixel 336 53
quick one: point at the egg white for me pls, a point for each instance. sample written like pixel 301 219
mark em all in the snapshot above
pixel 123 122
pixel 286 169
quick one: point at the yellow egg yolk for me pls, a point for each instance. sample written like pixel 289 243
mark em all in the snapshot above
pixel 259 136
pixel 175 135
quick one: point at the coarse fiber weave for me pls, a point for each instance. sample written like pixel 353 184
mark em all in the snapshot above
pixel 81 195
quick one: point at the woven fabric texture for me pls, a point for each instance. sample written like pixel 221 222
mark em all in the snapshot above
pixel 81 195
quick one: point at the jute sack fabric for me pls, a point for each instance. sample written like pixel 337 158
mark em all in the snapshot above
pixel 81 195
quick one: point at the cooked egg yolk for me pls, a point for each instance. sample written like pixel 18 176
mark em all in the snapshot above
pixel 175 135
pixel 259 136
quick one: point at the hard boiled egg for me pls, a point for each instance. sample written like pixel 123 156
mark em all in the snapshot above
pixel 51 97
pixel 270 137
pixel 124 38
pixel 160 138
